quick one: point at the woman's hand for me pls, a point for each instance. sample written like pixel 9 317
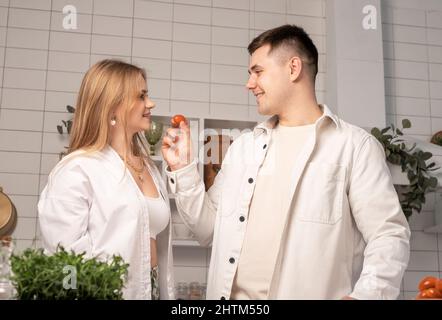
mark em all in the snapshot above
pixel 177 147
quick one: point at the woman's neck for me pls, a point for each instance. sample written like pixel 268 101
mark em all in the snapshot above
pixel 122 147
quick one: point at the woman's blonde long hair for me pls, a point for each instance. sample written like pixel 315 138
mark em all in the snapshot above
pixel 107 85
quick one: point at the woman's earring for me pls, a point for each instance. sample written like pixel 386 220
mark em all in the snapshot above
pixel 113 122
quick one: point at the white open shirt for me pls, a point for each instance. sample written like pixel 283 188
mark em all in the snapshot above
pixel 345 233
pixel 92 204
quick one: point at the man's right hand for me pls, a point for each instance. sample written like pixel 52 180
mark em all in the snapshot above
pixel 177 147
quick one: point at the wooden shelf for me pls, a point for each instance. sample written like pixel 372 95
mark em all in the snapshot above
pixel 185 243
pixel 157 158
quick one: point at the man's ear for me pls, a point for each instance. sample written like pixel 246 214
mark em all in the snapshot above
pixel 296 66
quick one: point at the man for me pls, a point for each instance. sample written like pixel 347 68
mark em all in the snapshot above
pixel 304 206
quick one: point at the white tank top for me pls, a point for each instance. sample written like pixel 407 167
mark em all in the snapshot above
pixel 158 215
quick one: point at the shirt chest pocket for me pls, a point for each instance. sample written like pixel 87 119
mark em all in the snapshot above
pixel 320 193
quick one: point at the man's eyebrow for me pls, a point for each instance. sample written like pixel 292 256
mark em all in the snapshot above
pixel 144 91
pixel 253 68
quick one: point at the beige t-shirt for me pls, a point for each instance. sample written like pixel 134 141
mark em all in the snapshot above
pixel 267 213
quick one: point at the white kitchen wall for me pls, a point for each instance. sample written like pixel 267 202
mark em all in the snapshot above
pixel 194 52
pixel 412 33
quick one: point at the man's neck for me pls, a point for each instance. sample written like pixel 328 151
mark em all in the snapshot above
pixel 301 107
pixel 300 114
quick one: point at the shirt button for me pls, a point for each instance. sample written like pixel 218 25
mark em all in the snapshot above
pixel 232 260
pixel 242 218
pixel 250 180
pixel 264 146
pixel 171 180
pixel 223 298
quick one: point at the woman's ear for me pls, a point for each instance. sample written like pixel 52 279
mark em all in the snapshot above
pixel 295 65
pixel 118 111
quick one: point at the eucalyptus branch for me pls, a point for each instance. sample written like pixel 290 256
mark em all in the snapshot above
pixel 66 124
pixel 413 162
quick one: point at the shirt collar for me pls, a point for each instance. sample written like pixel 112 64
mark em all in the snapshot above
pixel 269 124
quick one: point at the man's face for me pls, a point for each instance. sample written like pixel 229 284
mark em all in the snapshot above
pixel 269 81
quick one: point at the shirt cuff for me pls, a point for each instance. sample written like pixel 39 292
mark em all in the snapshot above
pixel 183 179
pixel 387 293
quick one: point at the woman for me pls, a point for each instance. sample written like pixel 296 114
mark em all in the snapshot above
pixel 105 196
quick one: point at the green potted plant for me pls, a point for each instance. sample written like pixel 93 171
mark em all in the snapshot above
pixel 66 276
pixel 413 162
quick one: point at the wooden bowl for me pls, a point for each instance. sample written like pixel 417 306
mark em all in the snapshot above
pixel 8 215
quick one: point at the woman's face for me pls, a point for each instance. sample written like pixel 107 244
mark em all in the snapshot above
pixel 138 118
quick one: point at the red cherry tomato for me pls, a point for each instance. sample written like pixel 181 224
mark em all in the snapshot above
pixel 431 293
pixel 439 285
pixel 427 283
pixel 177 119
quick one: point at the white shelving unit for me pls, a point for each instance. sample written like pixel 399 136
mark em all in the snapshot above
pixel 185 243
pixel 199 127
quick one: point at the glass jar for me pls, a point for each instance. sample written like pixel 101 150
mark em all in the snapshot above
pixel 7 291
pixel 182 291
pixel 203 291
pixel 195 292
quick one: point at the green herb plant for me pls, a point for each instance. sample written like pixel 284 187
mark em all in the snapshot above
pixel 37 276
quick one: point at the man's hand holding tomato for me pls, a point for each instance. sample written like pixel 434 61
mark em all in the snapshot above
pixel 177 146
pixel 176 120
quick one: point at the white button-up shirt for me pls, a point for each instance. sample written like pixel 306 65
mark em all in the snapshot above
pixel 92 204
pixel 345 232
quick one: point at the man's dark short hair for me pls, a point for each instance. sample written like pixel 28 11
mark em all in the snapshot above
pixel 291 37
